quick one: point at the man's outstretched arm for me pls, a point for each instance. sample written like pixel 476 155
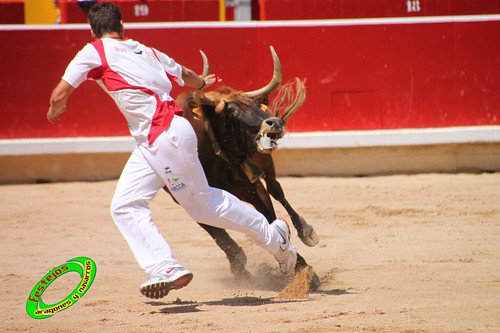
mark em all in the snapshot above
pixel 58 101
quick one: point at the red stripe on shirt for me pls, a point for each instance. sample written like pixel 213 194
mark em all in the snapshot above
pixel 113 81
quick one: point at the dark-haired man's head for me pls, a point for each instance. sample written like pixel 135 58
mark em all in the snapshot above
pixel 105 17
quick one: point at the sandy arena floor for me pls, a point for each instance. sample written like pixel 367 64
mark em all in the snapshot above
pixel 416 253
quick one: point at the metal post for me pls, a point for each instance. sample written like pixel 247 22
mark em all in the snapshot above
pixel 222 10
pixel 243 10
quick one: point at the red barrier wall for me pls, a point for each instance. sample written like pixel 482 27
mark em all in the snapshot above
pixel 12 12
pixel 208 10
pixel 360 75
pixel 336 9
pixel 150 11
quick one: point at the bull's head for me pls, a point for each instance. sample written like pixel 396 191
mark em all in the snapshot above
pixel 242 121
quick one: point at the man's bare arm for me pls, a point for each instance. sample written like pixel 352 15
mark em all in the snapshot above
pixel 192 80
pixel 58 101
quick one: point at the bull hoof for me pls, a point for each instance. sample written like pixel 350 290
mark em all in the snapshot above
pixel 242 275
pixel 314 282
pixel 309 236
pixel 308 276
pixel 237 264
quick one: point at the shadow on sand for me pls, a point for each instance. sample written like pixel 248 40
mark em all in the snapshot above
pixel 179 306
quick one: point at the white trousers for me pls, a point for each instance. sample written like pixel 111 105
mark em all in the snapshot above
pixel 173 161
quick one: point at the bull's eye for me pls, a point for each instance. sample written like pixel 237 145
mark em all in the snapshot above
pixel 231 111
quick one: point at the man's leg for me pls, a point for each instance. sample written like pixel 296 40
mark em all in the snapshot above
pixel 137 186
pixel 175 158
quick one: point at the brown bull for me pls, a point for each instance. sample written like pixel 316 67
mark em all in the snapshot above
pixel 236 136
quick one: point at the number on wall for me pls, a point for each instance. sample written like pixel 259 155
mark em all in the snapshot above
pixel 141 10
pixel 413 6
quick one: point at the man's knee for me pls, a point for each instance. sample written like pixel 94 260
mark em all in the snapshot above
pixel 203 207
pixel 123 210
pixel 116 209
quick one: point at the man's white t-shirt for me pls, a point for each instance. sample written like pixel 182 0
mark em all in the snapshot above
pixel 137 77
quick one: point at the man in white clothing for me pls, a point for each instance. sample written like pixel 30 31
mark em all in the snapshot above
pixel 139 79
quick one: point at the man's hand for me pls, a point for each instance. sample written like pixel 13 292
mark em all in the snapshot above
pixel 192 80
pixel 53 115
pixel 210 80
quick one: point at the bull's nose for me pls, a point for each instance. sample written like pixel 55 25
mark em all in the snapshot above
pixel 274 122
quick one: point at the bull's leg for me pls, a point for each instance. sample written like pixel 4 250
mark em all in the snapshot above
pixel 266 207
pixel 234 253
pixel 305 231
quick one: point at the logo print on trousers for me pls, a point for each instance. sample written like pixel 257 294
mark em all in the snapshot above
pixel 175 184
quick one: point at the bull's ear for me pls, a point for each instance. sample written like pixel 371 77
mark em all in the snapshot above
pixel 191 103
pixel 200 98
pixel 264 99
pixel 197 113
pixel 264 108
pixel 221 106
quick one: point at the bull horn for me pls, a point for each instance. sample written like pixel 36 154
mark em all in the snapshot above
pixel 206 66
pixel 275 81
pixel 199 96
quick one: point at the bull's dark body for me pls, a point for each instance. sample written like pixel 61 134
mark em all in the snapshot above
pixel 226 173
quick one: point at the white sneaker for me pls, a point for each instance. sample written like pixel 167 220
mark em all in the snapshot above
pixel 160 285
pixel 287 257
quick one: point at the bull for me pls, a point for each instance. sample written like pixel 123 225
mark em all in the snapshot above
pixel 237 132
